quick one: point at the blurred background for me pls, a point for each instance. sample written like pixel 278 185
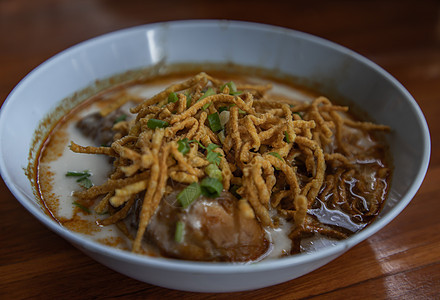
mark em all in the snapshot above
pixel 33 31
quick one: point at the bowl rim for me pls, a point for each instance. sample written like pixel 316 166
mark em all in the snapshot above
pixel 219 267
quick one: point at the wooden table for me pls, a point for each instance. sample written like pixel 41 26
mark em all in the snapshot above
pixel 401 261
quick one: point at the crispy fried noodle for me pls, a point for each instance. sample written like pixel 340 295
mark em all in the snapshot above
pixel 282 160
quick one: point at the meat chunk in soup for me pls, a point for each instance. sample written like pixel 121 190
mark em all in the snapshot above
pixel 99 128
pixel 214 230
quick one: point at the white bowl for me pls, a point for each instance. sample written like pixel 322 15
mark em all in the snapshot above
pixel 333 68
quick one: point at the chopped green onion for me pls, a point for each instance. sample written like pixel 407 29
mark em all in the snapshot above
pixel 155 123
pixel 212 147
pixel 276 154
pixel 240 111
pixel 85 173
pixel 208 93
pixel 82 178
pixel 173 98
pixel 213 171
pixel 183 146
pixel 82 207
pixel 120 119
pixel 214 122
pixel 287 137
pixel 85 182
pixel 178 234
pixel 232 88
pixel 188 100
pixel 211 156
pixel 189 194
pixel 211 187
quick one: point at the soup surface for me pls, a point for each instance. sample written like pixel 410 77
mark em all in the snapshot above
pixel 224 168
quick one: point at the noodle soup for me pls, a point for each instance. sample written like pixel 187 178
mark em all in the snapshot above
pixel 214 167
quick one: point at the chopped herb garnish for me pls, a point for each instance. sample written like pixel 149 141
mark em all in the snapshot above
pixel 212 147
pixel 231 85
pixel 214 122
pixel 211 156
pixel 277 155
pixel 208 93
pixel 82 207
pixel 183 146
pixel 178 233
pixel 232 88
pixel 173 98
pixel 213 171
pixel 85 182
pixel 189 194
pixel 211 187
pixel 188 99
pixel 286 137
pixel 82 178
pixel 155 123
pixel 85 173
pixel 120 118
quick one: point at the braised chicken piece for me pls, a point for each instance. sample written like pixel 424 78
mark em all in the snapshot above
pixel 213 230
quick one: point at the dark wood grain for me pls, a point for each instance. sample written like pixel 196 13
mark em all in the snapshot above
pixel 402 261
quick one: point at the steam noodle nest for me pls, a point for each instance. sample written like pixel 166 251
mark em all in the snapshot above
pixel 279 158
